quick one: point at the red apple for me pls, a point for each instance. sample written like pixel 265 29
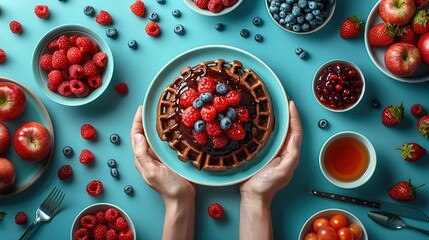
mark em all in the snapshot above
pixel 12 101
pixel 4 138
pixel 7 174
pixel 398 12
pixel 402 59
pixel 423 46
pixel 32 142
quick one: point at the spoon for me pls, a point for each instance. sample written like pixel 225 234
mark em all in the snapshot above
pixel 392 221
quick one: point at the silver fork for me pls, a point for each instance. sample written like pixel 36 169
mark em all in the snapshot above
pixel 47 210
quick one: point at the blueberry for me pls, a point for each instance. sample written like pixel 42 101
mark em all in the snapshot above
pixel 160 1
pixel 244 33
pixel 312 5
pixel 375 103
pixel 289 18
pixel 154 17
pixel 319 20
pixel 68 151
pixel 274 9
pixel 225 123
pixel 220 116
pixel 285 7
pixel 176 13
pixel 296 28
pixel 112 32
pixel 132 44
pixel 309 16
pixel 230 113
pixel 89 11
pixel 199 125
pixel 303 55
pixel 276 17
pixel 296 11
pixel 300 19
pixel 290 1
pixel 219 27
pixel 302 3
pixel 111 163
pixel 115 139
pixel 206 97
pixel 114 172
pixel 320 5
pixel 128 190
pixel 288 26
pixel 282 14
pixel 179 29
pixel 221 88
pixel 298 50
pixel 305 27
pixel 332 2
pixel 323 123
pixel 316 12
pixel 257 21
pixel 282 21
pixel 259 38
pixel 198 103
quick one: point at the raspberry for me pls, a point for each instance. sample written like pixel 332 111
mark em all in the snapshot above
pixel 126 234
pixel 65 172
pixel 208 113
pixel 86 157
pixel 120 224
pixel 45 62
pixel 242 114
pixel 103 17
pixel 89 68
pixel 220 103
pixel 59 60
pixel 85 91
pixel 121 88
pixel 233 98
pixel 84 44
pixel 55 77
pixel 64 89
pixel 88 132
pixel 236 132
pixel 95 48
pixel 203 4
pixel 100 59
pixel 15 27
pixel 63 42
pixel 2 55
pixel 188 97
pixel 138 8
pixel 228 3
pixel 99 232
pixel 94 81
pixel 77 86
pixel 81 234
pixel 111 215
pixel 74 55
pixel 94 188
pixel 190 115
pixel 41 11
pixel 206 84
pixel 215 6
pixel 417 110
pixel 66 75
pixel 53 46
pixel 21 218
pixel 76 71
pixel 73 39
pixel 100 217
pixel 111 234
pixel 215 210
pixel 88 221
pixel 213 128
pixel 200 137
pixel 220 141
pixel 52 87
pixel 152 29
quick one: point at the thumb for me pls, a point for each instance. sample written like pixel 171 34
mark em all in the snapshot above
pixel 141 150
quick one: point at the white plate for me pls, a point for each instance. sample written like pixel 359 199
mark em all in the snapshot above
pixel 191 5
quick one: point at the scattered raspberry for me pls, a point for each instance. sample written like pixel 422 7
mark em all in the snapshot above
pixel 236 132
pixel 213 128
pixel 74 55
pixel 203 4
pixel 417 110
pixel 126 234
pixel 100 59
pixel 84 44
pixel 152 29
pixel 94 81
pixel 200 137
pixel 188 97
pixel 63 42
pixel 233 98
pixel 86 157
pixel 81 234
pixel 21 218
pixel 90 68
pixel 215 211
pixel 220 103
pixel 100 217
pixel 138 8
pixel 228 3
pixel 190 115
pixel 2 55
pixel 208 113
pixel 88 221
pixel 111 215
pixel 76 71
pixel 45 62
pixel 94 188
pixel 88 132
pixel 64 89
pixel 41 11
pixel 220 141
pixel 120 224
pixel 215 6
pixel 103 17
pixel 206 84
pixel 121 88
pixel 99 232
pixel 15 27
pixel 111 234
pixel 242 114
pixel 65 172
pixel 77 86
pixel 59 60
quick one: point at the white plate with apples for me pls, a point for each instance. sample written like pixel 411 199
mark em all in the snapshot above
pixel 26 137
pixel 403 67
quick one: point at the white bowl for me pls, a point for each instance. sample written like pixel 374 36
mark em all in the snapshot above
pixel 328 213
pixel 372 160
pixel 93 209
pixel 320 70
pixel 206 12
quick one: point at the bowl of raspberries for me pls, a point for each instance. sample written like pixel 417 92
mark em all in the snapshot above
pixel 213 7
pixel 102 221
pixel 72 65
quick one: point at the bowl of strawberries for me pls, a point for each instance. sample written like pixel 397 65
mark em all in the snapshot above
pixel 72 65
pixel 212 7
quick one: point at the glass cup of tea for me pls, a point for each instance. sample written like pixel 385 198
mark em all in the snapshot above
pixel 347 159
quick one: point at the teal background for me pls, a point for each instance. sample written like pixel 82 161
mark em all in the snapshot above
pixel 112 113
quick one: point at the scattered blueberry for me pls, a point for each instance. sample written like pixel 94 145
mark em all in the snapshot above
pixel 154 17
pixel 259 38
pixel 230 113
pixel 111 163
pixel 303 55
pixel 132 44
pixel 257 21
pixel 323 123
pixel 115 139
pixel 219 26
pixel 89 11
pixel 206 97
pixel 199 125
pixel 298 51
pixel 128 190
pixel 160 1
pixel 179 29
pixel 114 172
pixel 112 32
pixel 221 88
pixel 176 13
pixel 225 123
pixel 68 151
pixel 244 33
pixel 198 103
pixel 375 103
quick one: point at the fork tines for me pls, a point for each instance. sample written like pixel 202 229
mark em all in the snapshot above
pixel 53 201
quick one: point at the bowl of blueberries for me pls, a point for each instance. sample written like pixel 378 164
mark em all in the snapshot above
pixel 301 16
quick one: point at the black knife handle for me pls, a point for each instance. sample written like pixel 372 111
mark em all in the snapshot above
pixel 343 198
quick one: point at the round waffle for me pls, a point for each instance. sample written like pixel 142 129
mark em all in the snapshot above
pixel 256 97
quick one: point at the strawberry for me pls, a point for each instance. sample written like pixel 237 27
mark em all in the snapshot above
pixel 421 3
pixel 406 35
pixel 420 22
pixel 215 210
pixel 351 27
pixel 382 35
pixel 417 110
pixel 88 132
pixel 403 191
pixel 392 115
pixel 21 218
pixel 95 188
pixel 138 8
pixel 423 125
pixel 412 151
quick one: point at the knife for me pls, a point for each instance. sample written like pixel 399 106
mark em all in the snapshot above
pixel 398 209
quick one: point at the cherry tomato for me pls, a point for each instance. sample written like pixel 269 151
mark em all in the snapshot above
pixel 320 222
pixel 338 221
pixel 327 233
pixel 356 230
pixel 345 233
pixel 311 236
